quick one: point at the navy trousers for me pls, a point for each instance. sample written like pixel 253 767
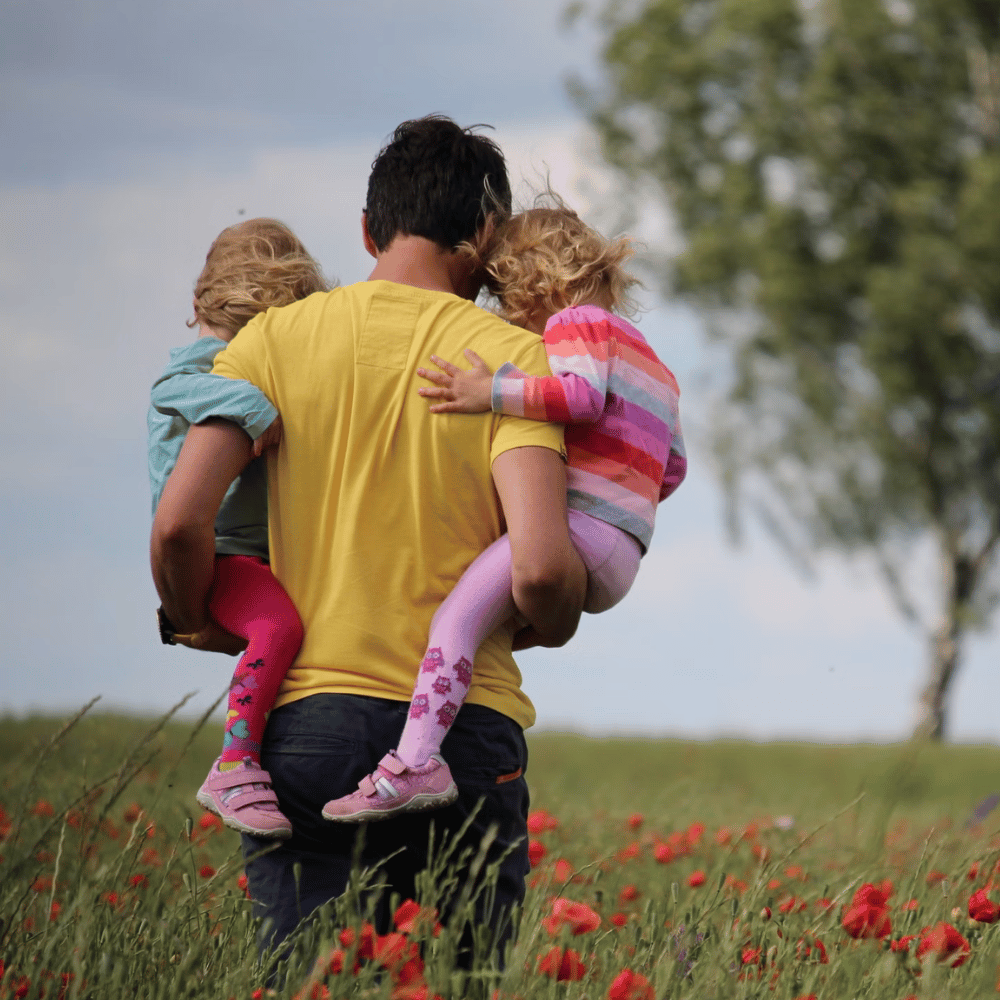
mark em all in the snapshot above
pixel 320 747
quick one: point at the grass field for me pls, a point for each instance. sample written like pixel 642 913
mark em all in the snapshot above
pixel 662 868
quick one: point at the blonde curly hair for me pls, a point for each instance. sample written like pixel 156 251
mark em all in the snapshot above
pixel 547 259
pixel 249 268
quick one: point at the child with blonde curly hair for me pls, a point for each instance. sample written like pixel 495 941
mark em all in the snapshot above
pixel 557 277
pixel 249 268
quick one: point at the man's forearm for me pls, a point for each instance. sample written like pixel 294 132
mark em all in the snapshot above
pixel 183 565
pixel 553 603
pixel 182 548
pixel 549 581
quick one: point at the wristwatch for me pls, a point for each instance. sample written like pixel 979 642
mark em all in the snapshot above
pixel 167 630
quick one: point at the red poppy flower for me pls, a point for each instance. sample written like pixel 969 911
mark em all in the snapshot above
pixel 792 905
pixel 619 919
pixel 696 879
pixel 694 833
pixel 903 944
pixel 562 965
pixel 629 852
pixel 868 915
pixel 579 917
pixel 540 821
pixel 242 882
pixel 811 948
pixel 536 851
pixel 410 917
pixel 366 948
pixel 629 985
pixel 982 908
pixel 663 853
pixel 132 812
pixel 209 821
pixel 635 821
pixel 206 871
pixel 629 894
pixel 943 943
pixel 42 808
pixel 563 871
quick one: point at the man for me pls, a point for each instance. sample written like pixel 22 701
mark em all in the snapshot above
pixel 376 509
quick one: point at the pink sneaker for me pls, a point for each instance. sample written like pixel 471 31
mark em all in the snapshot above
pixel 404 789
pixel 245 800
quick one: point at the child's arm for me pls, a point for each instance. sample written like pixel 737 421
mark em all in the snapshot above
pixel 196 396
pixel 676 469
pixel 574 393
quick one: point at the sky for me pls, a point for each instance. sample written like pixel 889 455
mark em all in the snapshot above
pixel 134 133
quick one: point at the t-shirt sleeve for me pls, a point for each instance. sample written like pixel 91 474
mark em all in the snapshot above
pixel 519 432
pixel 247 357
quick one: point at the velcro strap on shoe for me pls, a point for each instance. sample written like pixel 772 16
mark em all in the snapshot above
pixel 253 798
pixel 240 776
pixel 391 763
pixel 367 786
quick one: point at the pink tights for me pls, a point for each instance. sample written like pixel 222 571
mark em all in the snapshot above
pixel 480 602
pixel 247 600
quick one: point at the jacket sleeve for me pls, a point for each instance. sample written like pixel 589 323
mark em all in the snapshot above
pixel 197 396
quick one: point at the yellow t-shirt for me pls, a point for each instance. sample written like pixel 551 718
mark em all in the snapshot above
pixel 376 506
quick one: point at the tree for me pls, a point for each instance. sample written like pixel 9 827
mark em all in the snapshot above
pixel 833 166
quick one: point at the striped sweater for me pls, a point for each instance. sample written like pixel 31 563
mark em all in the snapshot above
pixel 624 447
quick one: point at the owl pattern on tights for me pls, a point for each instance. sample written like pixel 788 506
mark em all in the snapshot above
pixel 463 671
pixel 446 714
pixel 433 660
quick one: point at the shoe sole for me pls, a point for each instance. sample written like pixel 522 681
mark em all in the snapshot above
pixel 419 802
pixel 233 823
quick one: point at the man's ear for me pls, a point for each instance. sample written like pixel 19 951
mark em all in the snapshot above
pixel 366 236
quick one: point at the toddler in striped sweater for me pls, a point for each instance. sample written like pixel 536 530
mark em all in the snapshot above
pixel 556 276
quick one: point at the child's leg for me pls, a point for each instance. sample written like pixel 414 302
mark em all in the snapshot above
pixel 410 778
pixel 611 556
pixel 479 602
pixel 247 600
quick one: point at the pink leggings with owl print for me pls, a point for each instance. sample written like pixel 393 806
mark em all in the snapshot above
pixel 480 602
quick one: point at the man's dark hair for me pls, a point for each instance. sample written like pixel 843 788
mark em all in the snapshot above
pixel 437 180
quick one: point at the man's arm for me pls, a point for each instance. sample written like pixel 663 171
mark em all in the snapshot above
pixel 182 546
pixel 549 578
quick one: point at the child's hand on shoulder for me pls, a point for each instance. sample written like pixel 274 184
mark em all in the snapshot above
pixel 461 391
pixel 271 438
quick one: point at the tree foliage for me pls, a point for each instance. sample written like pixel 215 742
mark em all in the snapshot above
pixel 834 168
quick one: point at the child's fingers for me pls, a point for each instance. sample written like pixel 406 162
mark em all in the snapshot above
pixel 449 407
pixel 436 377
pixel 425 390
pixel 445 366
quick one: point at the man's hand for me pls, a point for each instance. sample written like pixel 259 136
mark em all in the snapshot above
pixel 213 638
pixel 526 638
pixel 270 438
pixel 462 391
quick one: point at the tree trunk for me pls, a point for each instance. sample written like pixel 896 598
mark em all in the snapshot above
pixel 943 649
pixel 944 645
